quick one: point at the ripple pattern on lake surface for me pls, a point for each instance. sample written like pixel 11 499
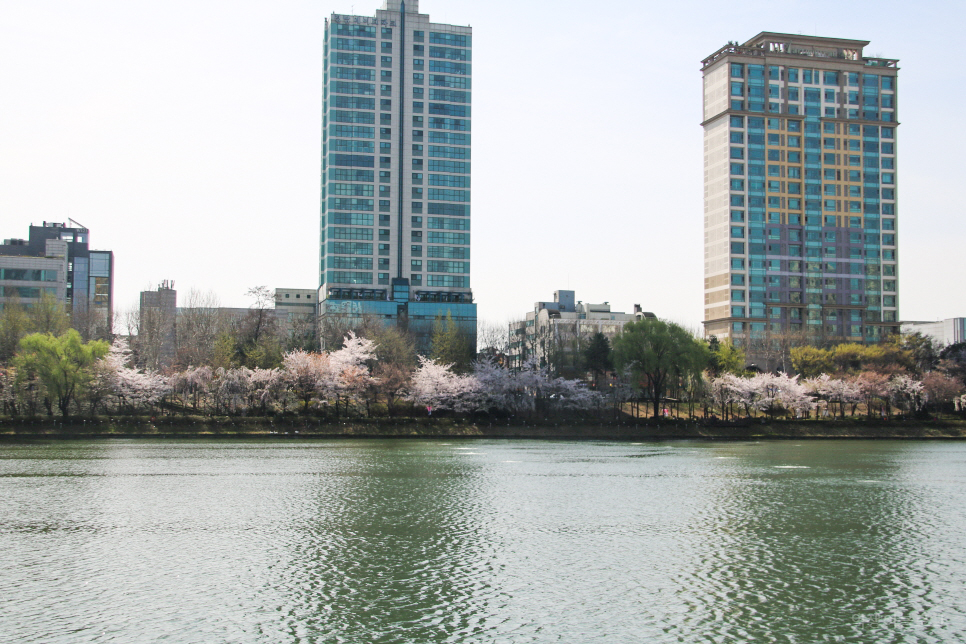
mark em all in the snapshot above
pixel 482 541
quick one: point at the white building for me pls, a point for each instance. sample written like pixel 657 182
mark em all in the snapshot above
pixel 556 332
pixel 943 332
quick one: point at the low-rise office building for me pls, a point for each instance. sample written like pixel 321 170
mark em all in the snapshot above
pixel 85 278
pixel 25 278
pixel 556 332
pixel 942 332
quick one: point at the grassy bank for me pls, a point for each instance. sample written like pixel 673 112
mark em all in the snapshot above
pixel 579 429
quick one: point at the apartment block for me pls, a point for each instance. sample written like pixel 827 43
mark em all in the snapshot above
pixel 800 177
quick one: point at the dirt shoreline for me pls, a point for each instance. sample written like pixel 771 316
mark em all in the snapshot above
pixel 294 427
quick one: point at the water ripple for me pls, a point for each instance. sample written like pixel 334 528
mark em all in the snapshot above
pixel 484 541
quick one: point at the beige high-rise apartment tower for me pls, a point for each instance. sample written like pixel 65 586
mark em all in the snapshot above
pixel 800 190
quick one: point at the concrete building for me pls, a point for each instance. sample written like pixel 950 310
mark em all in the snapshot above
pixel 295 304
pixel 943 332
pixel 158 319
pixel 85 278
pixel 297 310
pixel 800 189
pixel 162 323
pixel 26 278
pixel 395 215
pixel 557 331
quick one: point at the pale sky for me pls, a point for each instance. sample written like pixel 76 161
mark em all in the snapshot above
pixel 186 136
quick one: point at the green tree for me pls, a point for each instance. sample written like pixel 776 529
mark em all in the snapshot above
pixel 724 358
pixel 394 346
pixel 63 363
pixel 450 345
pixel 47 315
pixel 258 341
pixel 14 325
pixel 597 355
pixel 659 353
pixel 923 351
pixel 809 362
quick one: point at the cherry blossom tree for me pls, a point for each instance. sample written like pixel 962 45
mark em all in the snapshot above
pixel 906 393
pixel 873 386
pixel 306 374
pixel 268 386
pixel 835 390
pixel 192 384
pixel 231 388
pixel 436 386
pixel 349 373
pixel 941 389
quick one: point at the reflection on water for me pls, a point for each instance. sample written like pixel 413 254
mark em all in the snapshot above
pixel 482 541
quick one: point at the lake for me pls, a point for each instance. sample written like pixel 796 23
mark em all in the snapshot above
pixel 482 541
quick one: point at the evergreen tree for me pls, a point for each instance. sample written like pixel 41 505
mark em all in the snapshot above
pixel 597 355
pixel 450 345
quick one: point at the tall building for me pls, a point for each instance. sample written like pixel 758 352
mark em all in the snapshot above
pixel 88 276
pixel 800 190
pixel 395 215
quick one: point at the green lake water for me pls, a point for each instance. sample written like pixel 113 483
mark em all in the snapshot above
pixel 425 541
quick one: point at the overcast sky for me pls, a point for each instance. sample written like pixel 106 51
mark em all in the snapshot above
pixel 186 136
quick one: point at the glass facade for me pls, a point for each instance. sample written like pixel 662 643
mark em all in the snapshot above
pixel 396 143
pixel 807 183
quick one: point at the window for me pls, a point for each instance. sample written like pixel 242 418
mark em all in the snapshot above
pixel 351 233
pixel 449 53
pixel 342 174
pixel 354 44
pixel 364 60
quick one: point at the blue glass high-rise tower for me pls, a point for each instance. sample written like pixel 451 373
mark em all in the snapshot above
pixel 395 215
